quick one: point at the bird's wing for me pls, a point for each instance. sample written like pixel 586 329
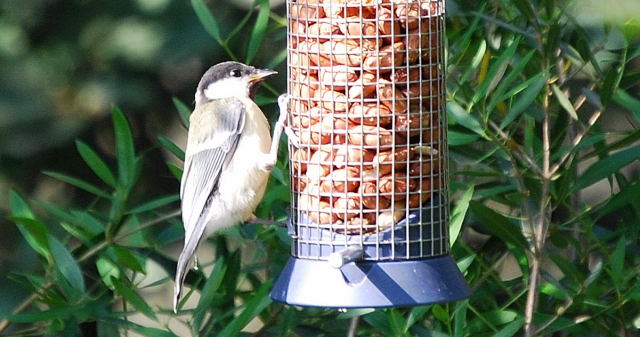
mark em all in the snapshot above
pixel 206 156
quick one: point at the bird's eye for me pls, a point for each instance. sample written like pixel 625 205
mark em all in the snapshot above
pixel 235 73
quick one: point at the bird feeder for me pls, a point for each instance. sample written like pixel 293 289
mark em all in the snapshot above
pixel 368 163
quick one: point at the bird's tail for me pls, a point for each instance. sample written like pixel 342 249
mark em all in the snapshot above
pixel 191 242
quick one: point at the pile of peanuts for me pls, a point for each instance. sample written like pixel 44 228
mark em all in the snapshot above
pixel 366 87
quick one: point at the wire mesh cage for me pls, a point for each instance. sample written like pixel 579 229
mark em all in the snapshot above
pixel 368 164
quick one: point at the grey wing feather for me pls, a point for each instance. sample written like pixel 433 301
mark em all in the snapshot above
pixel 207 155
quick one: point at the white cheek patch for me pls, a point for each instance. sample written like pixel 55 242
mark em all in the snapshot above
pixel 227 88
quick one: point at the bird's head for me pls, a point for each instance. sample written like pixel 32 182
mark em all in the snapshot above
pixel 230 79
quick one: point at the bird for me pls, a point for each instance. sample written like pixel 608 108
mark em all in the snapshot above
pixel 228 157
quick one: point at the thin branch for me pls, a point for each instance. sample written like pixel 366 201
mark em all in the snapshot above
pixel 574 144
pixel 516 148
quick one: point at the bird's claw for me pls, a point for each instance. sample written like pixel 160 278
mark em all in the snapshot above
pixel 283 104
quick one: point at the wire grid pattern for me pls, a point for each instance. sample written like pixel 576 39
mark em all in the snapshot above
pixel 366 81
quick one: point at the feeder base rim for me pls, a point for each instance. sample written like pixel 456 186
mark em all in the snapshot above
pixel 370 284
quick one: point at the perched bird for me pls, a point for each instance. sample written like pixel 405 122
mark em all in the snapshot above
pixel 229 156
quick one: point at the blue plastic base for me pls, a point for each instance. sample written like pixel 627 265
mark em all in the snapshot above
pixel 315 283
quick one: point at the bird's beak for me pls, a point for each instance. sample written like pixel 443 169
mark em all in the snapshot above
pixel 261 74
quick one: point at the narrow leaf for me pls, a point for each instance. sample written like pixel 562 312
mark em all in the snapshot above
pixel 510 329
pixel 68 267
pixel 607 166
pixel 253 308
pixel 124 148
pixel 171 147
pixel 495 73
pixel 524 100
pixel 208 292
pixel 154 204
pixel 464 118
pixel 564 101
pixel 96 163
pixel 81 184
pixel 458 214
pixel 35 233
pixel 257 34
pixel 616 260
pixel 131 296
pixel 498 224
pixel 207 19
pixel 183 112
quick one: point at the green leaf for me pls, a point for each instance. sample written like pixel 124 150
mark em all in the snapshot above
pixel 56 313
pixel 252 308
pixel 130 295
pixel 616 260
pixel 514 74
pixel 184 112
pixel 532 86
pixel 124 149
pixel 351 313
pixel 171 147
pixel 564 101
pixel 142 330
pixel 207 19
pixel 107 270
pixel 125 257
pixel 510 329
pixel 81 184
pixel 153 204
pixel 209 292
pixel 629 102
pixel 498 224
pixel 525 7
pixel 175 170
pixel 68 268
pixel 35 233
pixel 379 321
pixel 495 73
pixel 96 163
pixel 455 138
pixel 458 214
pixel 606 167
pixel 628 195
pixel 460 318
pixel 257 34
pixel 464 118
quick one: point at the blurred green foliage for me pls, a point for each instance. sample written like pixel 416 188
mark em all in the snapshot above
pixel 542 105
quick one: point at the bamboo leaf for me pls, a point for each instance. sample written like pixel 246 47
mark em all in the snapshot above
pixel 607 166
pixel 563 99
pixel 498 224
pixel 95 163
pixel 532 86
pixel 68 268
pixel 464 118
pixel 171 147
pixel 208 293
pixel 153 204
pixel 183 112
pixel 131 296
pixel 257 34
pixel 458 215
pixel 81 184
pixel 616 260
pixel 207 19
pixel 35 233
pixel 125 153
pixel 495 73
pixel 510 329
pixel 253 308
